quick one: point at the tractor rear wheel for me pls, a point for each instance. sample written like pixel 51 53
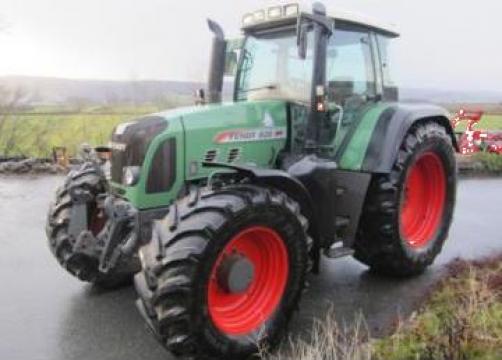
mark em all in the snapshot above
pixel 224 272
pixel 83 267
pixel 408 213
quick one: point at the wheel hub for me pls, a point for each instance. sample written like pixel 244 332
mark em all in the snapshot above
pixel 235 274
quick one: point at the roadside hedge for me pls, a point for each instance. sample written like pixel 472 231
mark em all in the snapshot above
pixel 488 163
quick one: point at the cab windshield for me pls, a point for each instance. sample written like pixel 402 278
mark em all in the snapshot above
pixel 272 70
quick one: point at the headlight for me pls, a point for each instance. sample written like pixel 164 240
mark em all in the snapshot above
pixel 131 175
pixel 275 12
pixel 248 19
pixel 271 14
pixel 292 10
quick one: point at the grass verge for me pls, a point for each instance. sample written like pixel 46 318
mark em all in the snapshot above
pixel 461 320
pixel 488 163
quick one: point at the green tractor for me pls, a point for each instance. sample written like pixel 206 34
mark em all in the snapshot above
pixel 223 210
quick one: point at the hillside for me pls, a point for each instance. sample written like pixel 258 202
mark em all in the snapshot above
pixel 53 91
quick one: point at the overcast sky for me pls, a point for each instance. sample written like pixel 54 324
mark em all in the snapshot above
pixel 445 43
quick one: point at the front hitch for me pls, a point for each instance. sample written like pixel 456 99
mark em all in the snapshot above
pixel 118 239
pixel 121 236
pixel 116 242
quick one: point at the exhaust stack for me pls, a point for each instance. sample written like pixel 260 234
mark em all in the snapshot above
pixel 217 65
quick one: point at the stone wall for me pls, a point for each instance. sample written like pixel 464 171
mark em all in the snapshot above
pixel 30 166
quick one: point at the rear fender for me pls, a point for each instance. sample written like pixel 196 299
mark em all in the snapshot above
pixel 391 129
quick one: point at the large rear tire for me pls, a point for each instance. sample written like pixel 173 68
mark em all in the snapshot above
pixel 61 243
pixel 224 272
pixel 408 213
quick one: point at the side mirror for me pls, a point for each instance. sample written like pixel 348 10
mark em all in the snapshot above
pixel 302 40
pixel 200 97
pixel 307 21
pixel 233 50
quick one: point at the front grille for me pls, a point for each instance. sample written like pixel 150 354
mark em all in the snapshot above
pixel 211 156
pixel 234 155
pixel 130 143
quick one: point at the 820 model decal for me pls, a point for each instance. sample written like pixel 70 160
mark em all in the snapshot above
pixel 250 135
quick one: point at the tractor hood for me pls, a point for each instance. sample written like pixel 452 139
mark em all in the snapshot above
pixel 166 149
pixel 249 133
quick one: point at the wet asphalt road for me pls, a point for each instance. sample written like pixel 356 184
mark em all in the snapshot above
pixel 47 315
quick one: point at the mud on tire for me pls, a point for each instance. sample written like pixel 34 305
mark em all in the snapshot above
pixel 175 283
pixel 388 224
pixel 61 243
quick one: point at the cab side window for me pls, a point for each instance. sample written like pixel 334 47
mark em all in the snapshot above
pixel 350 72
pixel 350 78
pixel 386 52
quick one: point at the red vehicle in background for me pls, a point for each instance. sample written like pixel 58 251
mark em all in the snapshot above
pixel 472 140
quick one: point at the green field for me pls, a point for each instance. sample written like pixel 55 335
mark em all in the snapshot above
pixel 36 135
pixel 488 122
pixel 37 132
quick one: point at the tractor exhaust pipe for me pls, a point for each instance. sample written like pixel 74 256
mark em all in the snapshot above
pixel 217 65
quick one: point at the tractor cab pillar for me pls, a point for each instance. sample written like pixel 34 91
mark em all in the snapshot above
pixel 322 27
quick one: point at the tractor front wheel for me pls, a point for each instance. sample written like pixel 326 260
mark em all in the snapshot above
pixel 83 266
pixel 224 272
pixel 408 213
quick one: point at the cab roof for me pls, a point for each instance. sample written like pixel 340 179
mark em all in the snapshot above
pixel 364 20
pixel 289 13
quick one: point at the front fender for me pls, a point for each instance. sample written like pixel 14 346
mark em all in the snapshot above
pixel 275 178
pixel 294 188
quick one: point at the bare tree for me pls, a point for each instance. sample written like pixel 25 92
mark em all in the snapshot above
pixel 13 130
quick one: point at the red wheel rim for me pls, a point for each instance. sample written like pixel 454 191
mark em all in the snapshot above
pixel 423 200
pixel 240 314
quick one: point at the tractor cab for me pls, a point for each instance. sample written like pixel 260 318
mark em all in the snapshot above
pixel 328 67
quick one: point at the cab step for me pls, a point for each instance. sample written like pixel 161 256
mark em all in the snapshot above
pixel 337 252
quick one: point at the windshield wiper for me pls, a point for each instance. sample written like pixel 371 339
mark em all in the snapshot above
pixel 267 87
